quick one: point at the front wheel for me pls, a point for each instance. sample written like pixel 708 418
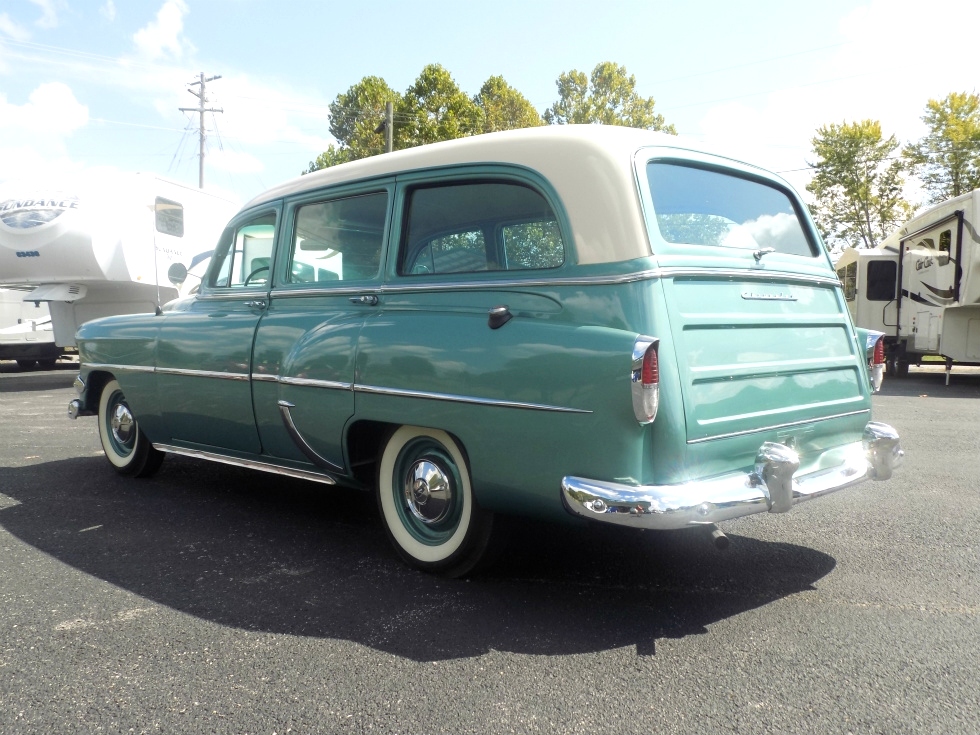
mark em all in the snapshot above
pixel 427 504
pixel 125 445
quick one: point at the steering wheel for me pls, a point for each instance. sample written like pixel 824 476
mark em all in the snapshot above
pixel 254 273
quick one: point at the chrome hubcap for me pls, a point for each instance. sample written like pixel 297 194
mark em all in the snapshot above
pixel 122 423
pixel 428 492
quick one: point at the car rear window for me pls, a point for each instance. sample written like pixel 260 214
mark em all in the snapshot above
pixel 700 206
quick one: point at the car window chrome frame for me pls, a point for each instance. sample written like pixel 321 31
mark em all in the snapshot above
pixel 663 250
pixel 207 292
pixel 291 206
pixel 474 173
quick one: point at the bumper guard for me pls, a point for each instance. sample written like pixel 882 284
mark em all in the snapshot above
pixel 772 486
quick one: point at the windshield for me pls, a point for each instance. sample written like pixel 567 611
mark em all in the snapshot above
pixel 699 206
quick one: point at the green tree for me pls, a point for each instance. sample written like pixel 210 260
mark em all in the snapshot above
pixel 947 159
pixel 434 108
pixel 330 157
pixel 354 119
pixel 857 183
pixel 504 108
pixel 608 97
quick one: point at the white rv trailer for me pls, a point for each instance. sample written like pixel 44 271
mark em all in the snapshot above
pixel 921 286
pixel 103 246
pixel 25 330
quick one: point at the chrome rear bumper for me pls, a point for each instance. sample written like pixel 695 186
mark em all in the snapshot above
pixel 772 486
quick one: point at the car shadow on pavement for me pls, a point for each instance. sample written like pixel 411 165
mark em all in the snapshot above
pixel 264 553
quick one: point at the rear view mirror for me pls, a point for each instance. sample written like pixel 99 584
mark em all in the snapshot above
pixel 177 273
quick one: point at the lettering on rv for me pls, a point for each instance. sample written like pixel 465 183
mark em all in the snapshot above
pixel 922 263
pixel 23 214
pixel 39 204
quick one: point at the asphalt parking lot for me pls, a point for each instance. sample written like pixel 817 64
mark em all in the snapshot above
pixel 212 599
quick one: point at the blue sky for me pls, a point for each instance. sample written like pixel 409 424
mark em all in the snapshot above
pixel 96 84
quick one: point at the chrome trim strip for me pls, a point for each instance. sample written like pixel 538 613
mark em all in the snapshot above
pixel 644 275
pixel 247 463
pixel 113 366
pixel 611 280
pixel 166 371
pixel 312 383
pixel 203 373
pixel 304 447
pixel 760 274
pixel 376 390
pixel 305 382
pixel 225 296
pixel 773 427
pixel 772 486
pixel 372 288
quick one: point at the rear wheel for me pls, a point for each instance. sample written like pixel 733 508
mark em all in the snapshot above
pixel 125 445
pixel 27 364
pixel 427 504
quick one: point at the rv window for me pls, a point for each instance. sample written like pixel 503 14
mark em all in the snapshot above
pixel 881 277
pixel 169 217
pixel 945 243
pixel 945 240
pixel 850 281
pixel 338 240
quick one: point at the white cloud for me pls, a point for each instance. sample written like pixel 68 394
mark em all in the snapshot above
pixel 256 113
pixel 12 30
pixel 51 109
pixel 49 16
pixel 108 10
pixel 233 162
pixel 32 135
pixel 164 36
pixel 887 71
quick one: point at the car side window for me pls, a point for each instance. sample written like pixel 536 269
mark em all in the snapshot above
pixel 244 253
pixel 338 240
pixel 471 227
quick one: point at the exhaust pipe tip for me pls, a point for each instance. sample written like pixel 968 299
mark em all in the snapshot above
pixel 718 537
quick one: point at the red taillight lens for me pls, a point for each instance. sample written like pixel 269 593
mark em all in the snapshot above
pixel 650 374
pixel 645 379
pixel 879 356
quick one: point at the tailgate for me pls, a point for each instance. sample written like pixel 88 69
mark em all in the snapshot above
pixel 758 355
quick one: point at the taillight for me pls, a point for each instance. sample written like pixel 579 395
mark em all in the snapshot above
pixel 645 379
pixel 879 354
pixel 651 366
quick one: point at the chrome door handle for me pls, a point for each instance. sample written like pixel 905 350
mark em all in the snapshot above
pixel 255 304
pixel 367 300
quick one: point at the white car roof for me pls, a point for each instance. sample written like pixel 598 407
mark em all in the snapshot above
pixel 589 166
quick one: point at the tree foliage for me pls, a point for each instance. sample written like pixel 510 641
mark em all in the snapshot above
pixel 857 184
pixel 434 108
pixel 947 159
pixel 504 108
pixel 607 97
pixel 354 118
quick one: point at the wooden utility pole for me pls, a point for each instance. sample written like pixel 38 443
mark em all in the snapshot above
pixel 387 126
pixel 201 109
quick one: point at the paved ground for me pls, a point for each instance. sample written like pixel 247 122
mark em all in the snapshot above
pixel 211 599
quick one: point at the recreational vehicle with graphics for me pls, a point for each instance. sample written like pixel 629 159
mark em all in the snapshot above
pixel 921 286
pixel 103 246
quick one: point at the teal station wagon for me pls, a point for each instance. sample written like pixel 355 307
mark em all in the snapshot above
pixel 570 322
